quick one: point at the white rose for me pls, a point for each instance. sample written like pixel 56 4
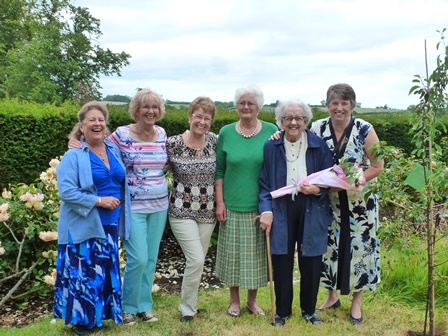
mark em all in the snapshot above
pixel 54 163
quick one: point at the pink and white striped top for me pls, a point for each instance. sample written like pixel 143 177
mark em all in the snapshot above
pixel 144 162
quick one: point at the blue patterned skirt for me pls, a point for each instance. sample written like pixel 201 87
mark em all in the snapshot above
pixel 88 281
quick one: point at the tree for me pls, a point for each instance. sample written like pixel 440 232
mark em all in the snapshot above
pixel 323 102
pixel 118 98
pixel 433 102
pixel 53 54
pixel 417 185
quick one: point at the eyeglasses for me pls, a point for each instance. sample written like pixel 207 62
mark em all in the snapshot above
pixel 297 119
pixel 199 118
pixel 249 104
pixel 149 107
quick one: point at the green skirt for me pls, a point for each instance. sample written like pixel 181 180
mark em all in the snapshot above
pixel 241 259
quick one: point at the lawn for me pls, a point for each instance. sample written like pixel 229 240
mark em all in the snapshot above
pixel 381 317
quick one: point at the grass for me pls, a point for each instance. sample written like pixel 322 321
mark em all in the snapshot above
pixel 395 308
pixel 382 317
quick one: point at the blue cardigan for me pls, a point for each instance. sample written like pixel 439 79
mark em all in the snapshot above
pixel 318 212
pixel 78 214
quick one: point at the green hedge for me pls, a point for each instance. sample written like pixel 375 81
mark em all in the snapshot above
pixel 33 134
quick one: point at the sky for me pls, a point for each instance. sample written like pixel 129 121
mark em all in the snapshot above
pixel 290 48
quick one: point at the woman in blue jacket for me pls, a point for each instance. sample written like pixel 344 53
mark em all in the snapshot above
pixel 94 212
pixel 298 222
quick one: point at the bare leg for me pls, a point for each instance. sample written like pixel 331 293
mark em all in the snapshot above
pixel 355 310
pixel 252 300
pixel 234 299
pixel 331 299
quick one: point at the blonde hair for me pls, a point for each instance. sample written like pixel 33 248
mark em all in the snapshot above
pixel 141 97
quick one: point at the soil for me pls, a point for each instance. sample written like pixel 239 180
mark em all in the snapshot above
pixel 20 312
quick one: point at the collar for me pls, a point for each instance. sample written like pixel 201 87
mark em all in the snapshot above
pixel 313 139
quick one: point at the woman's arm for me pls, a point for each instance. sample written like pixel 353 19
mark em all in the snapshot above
pixel 376 166
pixel 221 211
pixel 265 198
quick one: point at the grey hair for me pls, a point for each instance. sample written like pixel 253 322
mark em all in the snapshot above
pixel 282 105
pixel 250 89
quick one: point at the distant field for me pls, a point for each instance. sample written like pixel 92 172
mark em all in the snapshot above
pixel 359 110
pixel 114 103
pixel 362 110
pixel 368 110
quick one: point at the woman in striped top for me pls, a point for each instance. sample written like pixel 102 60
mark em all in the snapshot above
pixel 143 149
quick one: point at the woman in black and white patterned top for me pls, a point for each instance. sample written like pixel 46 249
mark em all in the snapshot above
pixel 192 159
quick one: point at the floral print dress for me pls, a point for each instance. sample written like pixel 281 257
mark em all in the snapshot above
pixel 352 262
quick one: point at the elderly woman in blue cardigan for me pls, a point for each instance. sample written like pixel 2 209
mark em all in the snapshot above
pixel 94 212
pixel 295 222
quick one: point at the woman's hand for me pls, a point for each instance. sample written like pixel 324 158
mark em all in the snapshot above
pixel 73 143
pixel 108 202
pixel 275 136
pixel 309 189
pixel 221 212
pixel 266 221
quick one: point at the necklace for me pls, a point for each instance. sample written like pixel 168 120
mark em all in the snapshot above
pixel 298 151
pixel 244 135
pixel 100 154
pixel 197 149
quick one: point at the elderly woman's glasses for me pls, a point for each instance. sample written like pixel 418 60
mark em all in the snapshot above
pixel 297 119
pixel 199 118
pixel 249 104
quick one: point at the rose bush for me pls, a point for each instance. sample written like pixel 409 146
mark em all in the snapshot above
pixel 28 227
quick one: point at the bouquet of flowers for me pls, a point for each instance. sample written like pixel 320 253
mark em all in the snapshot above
pixel 345 175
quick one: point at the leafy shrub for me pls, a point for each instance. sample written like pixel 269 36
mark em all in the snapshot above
pixel 28 217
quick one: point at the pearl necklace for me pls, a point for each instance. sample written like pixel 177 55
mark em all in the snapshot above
pixel 250 135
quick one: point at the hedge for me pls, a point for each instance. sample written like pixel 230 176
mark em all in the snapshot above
pixel 33 133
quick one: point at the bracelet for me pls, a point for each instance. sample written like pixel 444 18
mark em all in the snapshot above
pixel 99 201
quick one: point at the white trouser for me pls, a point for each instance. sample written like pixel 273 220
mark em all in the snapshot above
pixel 194 239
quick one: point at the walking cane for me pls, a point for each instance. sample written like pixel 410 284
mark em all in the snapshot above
pixel 271 284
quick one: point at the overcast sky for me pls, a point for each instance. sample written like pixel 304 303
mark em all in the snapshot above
pixel 290 48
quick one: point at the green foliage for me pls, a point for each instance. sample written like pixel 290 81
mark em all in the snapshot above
pixel 404 269
pixel 34 133
pixel 38 132
pixel 117 98
pixel 53 54
pixel 28 227
pixel 422 208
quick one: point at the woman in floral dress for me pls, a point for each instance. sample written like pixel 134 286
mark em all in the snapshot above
pixel 352 262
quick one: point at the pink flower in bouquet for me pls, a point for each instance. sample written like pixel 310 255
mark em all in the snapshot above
pixel 340 172
pixel 349 172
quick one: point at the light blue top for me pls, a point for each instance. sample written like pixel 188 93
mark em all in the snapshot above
pixel 78 214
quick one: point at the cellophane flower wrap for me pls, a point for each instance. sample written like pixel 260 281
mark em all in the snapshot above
pixel 345 175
